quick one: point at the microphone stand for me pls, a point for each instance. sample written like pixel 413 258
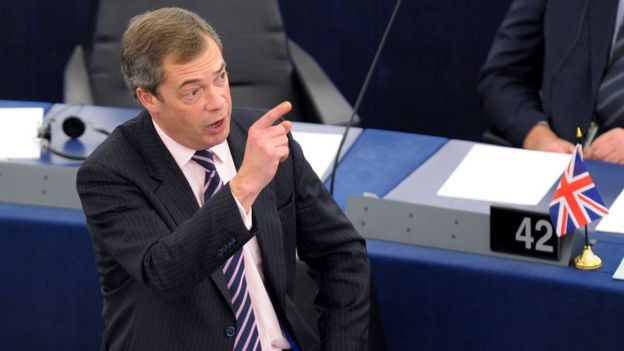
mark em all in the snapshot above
pixel 358 102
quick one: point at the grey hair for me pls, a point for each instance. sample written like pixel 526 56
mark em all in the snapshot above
pixel 153 35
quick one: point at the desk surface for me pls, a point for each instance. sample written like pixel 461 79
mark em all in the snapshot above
pixel 379 160
pixel 428 298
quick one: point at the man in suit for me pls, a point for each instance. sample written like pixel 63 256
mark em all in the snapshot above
pixel 165 234
pixel 542 77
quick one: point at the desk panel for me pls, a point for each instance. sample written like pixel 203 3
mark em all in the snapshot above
pixel 434 299
pixel 49 297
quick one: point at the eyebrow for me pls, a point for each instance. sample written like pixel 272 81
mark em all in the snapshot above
pixel 193 81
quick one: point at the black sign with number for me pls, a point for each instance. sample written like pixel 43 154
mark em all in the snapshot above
pixel 521 232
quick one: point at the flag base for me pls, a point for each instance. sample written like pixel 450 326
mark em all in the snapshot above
pixel 587 260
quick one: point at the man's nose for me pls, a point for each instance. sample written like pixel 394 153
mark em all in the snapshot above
pixel 214 99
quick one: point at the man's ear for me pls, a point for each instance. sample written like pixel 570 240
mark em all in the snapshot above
pixel 149 101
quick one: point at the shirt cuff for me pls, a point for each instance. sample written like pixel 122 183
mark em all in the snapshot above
pixel 246 217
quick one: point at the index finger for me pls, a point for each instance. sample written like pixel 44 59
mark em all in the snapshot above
pixel 273 115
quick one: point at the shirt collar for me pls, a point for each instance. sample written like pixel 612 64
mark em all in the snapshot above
pixel 182 154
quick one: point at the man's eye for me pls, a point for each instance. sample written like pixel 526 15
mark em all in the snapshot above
pixel 192 93
pixel 221 77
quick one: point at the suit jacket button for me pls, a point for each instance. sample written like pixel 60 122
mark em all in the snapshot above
pixel 230 331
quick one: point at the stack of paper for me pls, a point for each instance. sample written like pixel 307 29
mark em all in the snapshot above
pixel 18 132
pixel 319 149
pixel 505 175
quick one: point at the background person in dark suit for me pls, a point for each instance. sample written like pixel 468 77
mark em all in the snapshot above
pixel 542 76
pixel 160 245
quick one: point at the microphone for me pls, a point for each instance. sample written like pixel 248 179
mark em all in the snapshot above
pixel 358 101
pixel 72 126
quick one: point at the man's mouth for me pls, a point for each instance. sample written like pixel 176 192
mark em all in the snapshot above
pixel 216 124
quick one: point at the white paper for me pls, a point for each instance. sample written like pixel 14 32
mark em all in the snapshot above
pixel 505 175
pixel 319 149
pixel 619 272
pixel 18 132
pixel 614 221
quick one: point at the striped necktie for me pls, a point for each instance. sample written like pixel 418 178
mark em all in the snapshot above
pixel 233 269
pixel 610 99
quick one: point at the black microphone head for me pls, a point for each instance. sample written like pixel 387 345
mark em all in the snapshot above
pixel 74 127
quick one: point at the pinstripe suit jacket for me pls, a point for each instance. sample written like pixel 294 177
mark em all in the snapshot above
pixel 546 64
pixel 158 254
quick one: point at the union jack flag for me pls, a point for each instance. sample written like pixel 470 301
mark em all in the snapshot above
pixel 576 201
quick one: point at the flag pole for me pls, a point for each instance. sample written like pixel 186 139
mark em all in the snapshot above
pixel 579 139
pixel 587 260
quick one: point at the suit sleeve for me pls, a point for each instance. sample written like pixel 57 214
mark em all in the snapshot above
pixel 510 80
pixel 332 248
pixel 128 225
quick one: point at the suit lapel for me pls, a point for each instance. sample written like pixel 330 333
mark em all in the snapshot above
pixel 172 188
pixel 237 141
pixel 601 26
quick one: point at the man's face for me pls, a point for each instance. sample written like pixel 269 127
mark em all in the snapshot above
pixel 193 106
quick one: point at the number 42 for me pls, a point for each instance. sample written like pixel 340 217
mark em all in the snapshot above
pixel 525 235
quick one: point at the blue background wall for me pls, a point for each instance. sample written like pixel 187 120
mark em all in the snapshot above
pixel 425 81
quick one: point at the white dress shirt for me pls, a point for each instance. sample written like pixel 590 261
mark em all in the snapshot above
pixel 269 331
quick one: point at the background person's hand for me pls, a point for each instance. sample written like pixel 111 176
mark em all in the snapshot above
pixel 608 147
pixel 542 138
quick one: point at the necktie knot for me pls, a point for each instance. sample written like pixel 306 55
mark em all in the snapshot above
pixel 205 158
pixel 212 181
